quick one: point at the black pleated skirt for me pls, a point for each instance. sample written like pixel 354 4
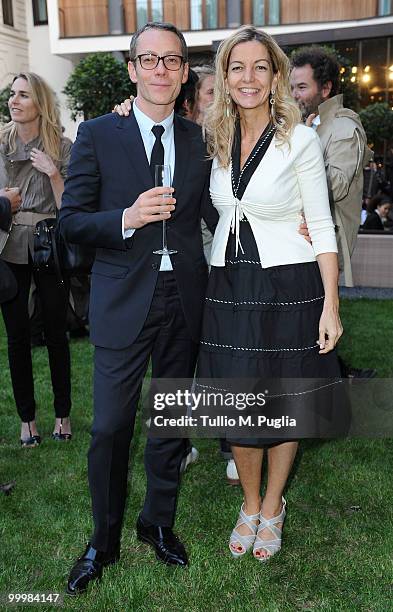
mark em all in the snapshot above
pixel 262 323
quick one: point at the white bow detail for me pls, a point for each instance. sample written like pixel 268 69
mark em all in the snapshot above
pixel 237 216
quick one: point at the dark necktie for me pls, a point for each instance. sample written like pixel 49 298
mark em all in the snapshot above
pixel 157 154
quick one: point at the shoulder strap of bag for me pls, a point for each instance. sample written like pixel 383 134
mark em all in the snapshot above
pixel 58 272
pixel 56 256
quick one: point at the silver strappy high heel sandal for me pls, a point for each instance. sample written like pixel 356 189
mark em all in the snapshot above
pixel 245 541
pixel 270 546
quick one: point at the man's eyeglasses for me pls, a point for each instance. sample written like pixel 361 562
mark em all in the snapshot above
pixel 149 61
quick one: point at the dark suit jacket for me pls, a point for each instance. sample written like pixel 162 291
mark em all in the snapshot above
pixel 107 172
pixel 8 285
pixel 373 222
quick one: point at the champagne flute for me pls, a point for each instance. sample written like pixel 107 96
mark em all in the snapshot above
pixel 162 178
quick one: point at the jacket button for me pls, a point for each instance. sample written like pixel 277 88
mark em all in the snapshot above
pixel 154 266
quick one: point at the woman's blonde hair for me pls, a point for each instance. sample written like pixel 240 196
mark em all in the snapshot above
pixel 50 129
pixel 219 129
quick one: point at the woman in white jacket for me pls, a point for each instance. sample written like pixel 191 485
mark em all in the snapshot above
pixel 272 300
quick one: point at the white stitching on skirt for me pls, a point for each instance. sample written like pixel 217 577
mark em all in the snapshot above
pixel 272 350
pixel 266 303
pixel 210 387
pixel 258 263
pixel 335 382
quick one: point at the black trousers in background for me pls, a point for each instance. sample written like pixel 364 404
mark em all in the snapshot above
pixel 118 376
pixel 226 449
pixel 17 324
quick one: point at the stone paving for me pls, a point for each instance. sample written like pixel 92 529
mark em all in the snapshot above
pixel 373 293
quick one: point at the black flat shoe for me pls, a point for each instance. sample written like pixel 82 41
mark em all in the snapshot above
pixel 167 546
pixel 360 373
pixel 31 441
pixel 60 436
pixel 89 567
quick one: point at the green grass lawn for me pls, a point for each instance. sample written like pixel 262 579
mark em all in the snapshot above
pixel 338 537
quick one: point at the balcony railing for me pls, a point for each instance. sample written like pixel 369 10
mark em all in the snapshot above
pixel 104 17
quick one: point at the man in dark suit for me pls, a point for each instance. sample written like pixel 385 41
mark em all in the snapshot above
pixel 143 305
pixel 10 202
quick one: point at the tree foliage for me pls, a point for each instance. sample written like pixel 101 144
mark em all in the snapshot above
pixel 5 116
pixel 377 120
pixel 96 84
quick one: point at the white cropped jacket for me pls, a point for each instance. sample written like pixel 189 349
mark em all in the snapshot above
pixel 288 183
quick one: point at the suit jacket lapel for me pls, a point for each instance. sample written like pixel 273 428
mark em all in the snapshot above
pixel 131 140
pixel 182 153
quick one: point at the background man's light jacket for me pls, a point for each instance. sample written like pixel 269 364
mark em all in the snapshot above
pixel 345 153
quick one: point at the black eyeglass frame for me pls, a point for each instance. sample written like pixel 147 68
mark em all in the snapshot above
pixel 159 58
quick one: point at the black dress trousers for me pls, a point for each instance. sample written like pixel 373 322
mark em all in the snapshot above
pixel 117 387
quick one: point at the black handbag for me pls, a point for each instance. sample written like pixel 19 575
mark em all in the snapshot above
pixel 53 254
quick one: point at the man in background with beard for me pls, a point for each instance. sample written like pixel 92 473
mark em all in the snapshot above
pixel 315 79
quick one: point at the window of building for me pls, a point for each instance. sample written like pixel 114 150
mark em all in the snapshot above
pixel 8 13
pixel 148 10
pixel 233 14
pixel 156 10
pixel 265 11
pixel 203 14
pixel 373 71
pixel 196 15
pixel 40 12
pixel 274 12
pixel 141 12
pixel 384 7
pixel 258 12
pixel 211 14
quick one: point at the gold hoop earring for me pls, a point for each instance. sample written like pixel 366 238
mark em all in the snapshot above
pixel 227 104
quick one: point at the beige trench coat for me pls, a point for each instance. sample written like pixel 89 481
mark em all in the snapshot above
pixel 345 154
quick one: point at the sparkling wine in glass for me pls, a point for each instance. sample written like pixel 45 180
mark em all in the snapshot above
pixel 162 178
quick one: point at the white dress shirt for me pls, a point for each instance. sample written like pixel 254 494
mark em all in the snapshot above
pixel 315 122
pixel 145 125
pixel 289 182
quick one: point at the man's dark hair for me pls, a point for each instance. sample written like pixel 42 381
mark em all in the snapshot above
pixel 157 25
pixel 324 64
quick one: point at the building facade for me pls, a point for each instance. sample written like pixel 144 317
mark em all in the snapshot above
pixel 50 36
pixel 14 48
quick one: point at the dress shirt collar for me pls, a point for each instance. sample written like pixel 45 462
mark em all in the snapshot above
pixel 329 109
pixel 315 122
pixel 145 123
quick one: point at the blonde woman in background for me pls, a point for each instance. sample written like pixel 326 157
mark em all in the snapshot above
pixel 34 158
pixel 204 92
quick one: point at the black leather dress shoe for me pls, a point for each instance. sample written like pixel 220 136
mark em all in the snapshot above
pixel 167 546
pixel 360 373
pixel 89 567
